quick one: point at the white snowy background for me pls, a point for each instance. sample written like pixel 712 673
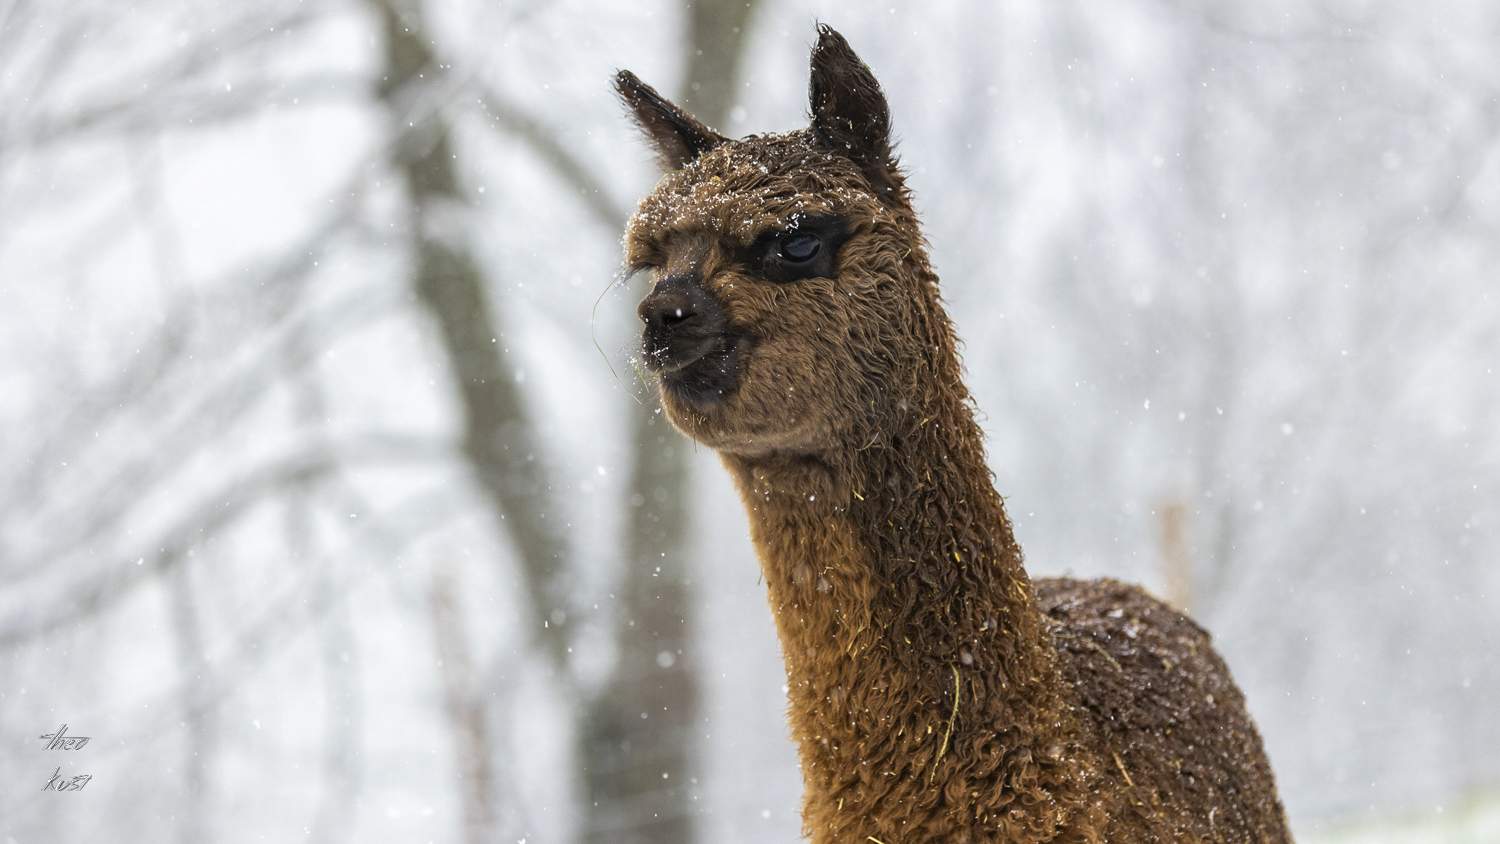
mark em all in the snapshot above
pixel 1222 266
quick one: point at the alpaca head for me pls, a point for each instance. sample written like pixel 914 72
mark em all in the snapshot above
pixel 790 293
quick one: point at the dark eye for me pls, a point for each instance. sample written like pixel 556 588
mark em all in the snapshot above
pixel 807 248
pixel 799 248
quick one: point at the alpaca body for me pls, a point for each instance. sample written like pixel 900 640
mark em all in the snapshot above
pixel 1112 720
pixel 935 693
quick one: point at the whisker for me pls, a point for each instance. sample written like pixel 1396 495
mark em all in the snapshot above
pixel 620 277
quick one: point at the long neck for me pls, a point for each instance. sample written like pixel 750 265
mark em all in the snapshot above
pixel 901 601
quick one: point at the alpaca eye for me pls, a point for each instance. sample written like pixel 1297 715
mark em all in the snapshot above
pixel 807 248
pixel 800 248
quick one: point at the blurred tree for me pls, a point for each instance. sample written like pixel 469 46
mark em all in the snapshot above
pixel 636 751
pixel 640 772
pixel 499 437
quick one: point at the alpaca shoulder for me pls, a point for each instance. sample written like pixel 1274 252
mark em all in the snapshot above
pixel 1128 647
pixel 1173 722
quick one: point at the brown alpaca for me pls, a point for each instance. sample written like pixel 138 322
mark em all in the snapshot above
pixel 937 693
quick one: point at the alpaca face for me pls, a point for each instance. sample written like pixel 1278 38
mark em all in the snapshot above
pixel 778 265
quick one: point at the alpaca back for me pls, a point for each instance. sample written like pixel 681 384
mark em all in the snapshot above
pixel 1177 739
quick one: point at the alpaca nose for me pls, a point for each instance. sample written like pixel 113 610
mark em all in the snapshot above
pixel 679 305
pixel 683 322
pixel 667 310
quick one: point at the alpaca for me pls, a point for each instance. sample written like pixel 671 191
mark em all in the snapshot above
pixel 936 693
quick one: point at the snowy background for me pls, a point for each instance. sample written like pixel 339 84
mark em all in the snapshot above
pixel 332 508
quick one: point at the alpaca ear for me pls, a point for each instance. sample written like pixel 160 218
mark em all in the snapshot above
pixel 849 112
pixel 677 136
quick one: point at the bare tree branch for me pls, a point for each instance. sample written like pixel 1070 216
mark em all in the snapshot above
pixel 564 164
pixel 217 511
pixel 194 106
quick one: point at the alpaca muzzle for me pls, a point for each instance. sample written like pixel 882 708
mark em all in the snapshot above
pixel 684 323
pixel 689 342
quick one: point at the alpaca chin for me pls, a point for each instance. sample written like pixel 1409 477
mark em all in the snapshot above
pixel 731 428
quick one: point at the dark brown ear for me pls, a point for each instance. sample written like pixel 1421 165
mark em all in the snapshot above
pixel 677 136
pixel 849 112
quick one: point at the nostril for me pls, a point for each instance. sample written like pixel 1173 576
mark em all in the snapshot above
pixel 668 312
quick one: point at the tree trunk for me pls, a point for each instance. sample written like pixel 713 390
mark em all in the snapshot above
pixel 467 717
pixel 499 440
pixel 640 731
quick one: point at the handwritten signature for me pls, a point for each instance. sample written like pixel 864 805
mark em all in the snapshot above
pixel 58 782
pixel 60 740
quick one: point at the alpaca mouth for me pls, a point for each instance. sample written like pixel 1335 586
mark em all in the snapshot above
pixel 709 376
pixel 676 353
